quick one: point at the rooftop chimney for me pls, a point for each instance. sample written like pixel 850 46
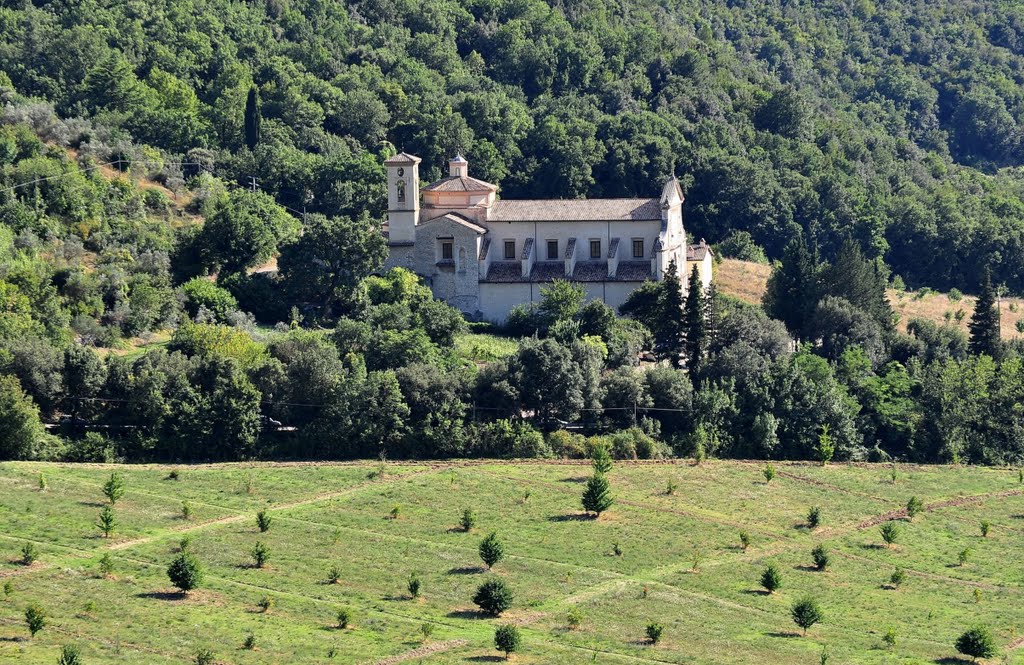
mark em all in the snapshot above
pixel 458 167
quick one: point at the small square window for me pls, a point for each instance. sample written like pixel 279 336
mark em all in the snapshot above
pixel 552 250
pixel 446 251
pixel 510 250
pixel 595 249
pixel 638 248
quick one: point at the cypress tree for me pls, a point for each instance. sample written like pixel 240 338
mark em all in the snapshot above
pixel 253 118
pixel 695 324
pixel 794 289
pixel 597 496
pixel 984 325
pixel 671 331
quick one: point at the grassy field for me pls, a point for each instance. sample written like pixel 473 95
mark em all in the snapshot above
pixel 747 281
pixel 680 562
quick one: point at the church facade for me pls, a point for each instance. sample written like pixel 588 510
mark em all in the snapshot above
pixel 485 255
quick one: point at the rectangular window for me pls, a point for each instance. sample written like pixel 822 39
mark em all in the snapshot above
pixel 595 249
pixel 552 250
pixel 446 250
pixel 638 248
pixel 510 250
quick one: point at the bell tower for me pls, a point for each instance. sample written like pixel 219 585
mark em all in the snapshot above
pixel 403 198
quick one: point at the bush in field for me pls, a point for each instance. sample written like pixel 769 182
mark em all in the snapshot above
pixel 29 554
pixel 986 526
pixel 977 643
pixel 964 555
pixel 814 517
pixel 890 533
pixel 602 460
pixel 507 639
pixel 8 589
pixel 185 543
pixel 491 550
pixel 771 579
pixel 914 507
pixel 493 596
pixel 897 578
pixel 333 575
pixel 113 489
pixel 186 510
pixel 597 496
pixel 426 630
pixel 185 572
pixel 574 617
pixel 69 655
pixel 890 637
pixel 260 554
pixel 263 521
pixel 107 522
pixel 203 657
pixel 35 619
pixel 266 603
pixel 106 564
pixel 344 617
pixel 821 557
pixel 468 520
pixel 654 631
pixel 768 472
pixel 744 540
pixel 671 487
pixel 249 643
pixel 414 585
pixel 806 613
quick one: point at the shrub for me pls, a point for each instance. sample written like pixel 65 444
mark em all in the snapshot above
pixel 826 446
pixel 890 533
pixel 654 631
pixel 567 444
pixel 29 554
pixel 768 472
pixel 263 521
pixel 955 295
pixel 106 564
pixel 976 642
pixel 985 526
pixel 113 489
pixel 574 617
pixel 203 657
pixel 601 460
pixel 35 619
pixel 963 556
pixel 186 510
pixel 890 637
pixel 771 579
pixel 250 642
pixel 616 548
pixel 914 507
pixel 266 603
pixel 897 578
pixel 468 520
pixel 185 543
pixel 202 293
pixel 493 596
pixel 597 496
pixel 671 487
pixel 491 550
pixel 344 617
pixel 395 513
pixel 507 639
pixel 107 521
pixel 69 655
pixel 8 589
pixel 173 475
pixel 260 553
pixel 977 595
pixel 814 517
pixel 414 585
pixel 744 540
pixel 806 613
pixel 185 572
pixel 821 557
pixel 333 575
pixel 42 482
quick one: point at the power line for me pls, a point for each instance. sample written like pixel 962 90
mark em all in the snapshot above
pixel 93 167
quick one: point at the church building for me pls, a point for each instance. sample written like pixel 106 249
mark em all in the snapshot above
pixel 485 255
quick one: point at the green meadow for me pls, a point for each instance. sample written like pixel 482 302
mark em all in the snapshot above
pixel 668 551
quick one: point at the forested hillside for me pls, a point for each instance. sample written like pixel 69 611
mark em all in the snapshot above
pixel 895 122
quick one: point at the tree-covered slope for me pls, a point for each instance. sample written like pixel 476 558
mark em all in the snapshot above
pixel 896 123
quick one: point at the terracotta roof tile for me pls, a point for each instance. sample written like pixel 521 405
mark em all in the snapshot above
pixel 402 158
pixel 460 184
pixel 697 252
pixel 633 271
pixel 576 210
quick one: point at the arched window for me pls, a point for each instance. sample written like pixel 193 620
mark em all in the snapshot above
pixel 401 191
